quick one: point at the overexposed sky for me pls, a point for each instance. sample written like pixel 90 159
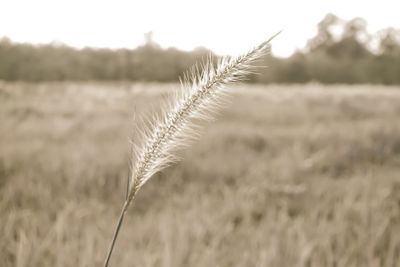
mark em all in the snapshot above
pixel 225 26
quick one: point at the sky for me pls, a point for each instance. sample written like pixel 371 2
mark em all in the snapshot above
pixel 224 26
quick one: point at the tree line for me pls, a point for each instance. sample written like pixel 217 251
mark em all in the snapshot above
pixel 341 52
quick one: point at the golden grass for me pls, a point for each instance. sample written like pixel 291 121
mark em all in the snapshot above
pixel 287 177
pixel 176 125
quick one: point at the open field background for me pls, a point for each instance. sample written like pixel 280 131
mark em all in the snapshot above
pixel 287 176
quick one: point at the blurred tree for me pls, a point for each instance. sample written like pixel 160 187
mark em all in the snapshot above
pixel 352 43
pixel 339 53
pixel 389 41
pixel 385 66
pixel 324 35
pixel 341 58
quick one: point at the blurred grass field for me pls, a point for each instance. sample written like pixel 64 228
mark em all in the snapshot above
pixel 286 176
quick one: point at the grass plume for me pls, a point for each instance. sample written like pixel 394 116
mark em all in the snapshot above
pixel 202 90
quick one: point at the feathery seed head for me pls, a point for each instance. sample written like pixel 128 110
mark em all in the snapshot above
pixel 201 94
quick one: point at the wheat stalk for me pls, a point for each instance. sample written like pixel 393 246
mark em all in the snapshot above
pixel 202 90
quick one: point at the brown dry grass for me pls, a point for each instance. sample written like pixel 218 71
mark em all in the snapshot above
pixel 286 177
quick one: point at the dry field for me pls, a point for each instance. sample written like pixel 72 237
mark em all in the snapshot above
pixel 287 176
